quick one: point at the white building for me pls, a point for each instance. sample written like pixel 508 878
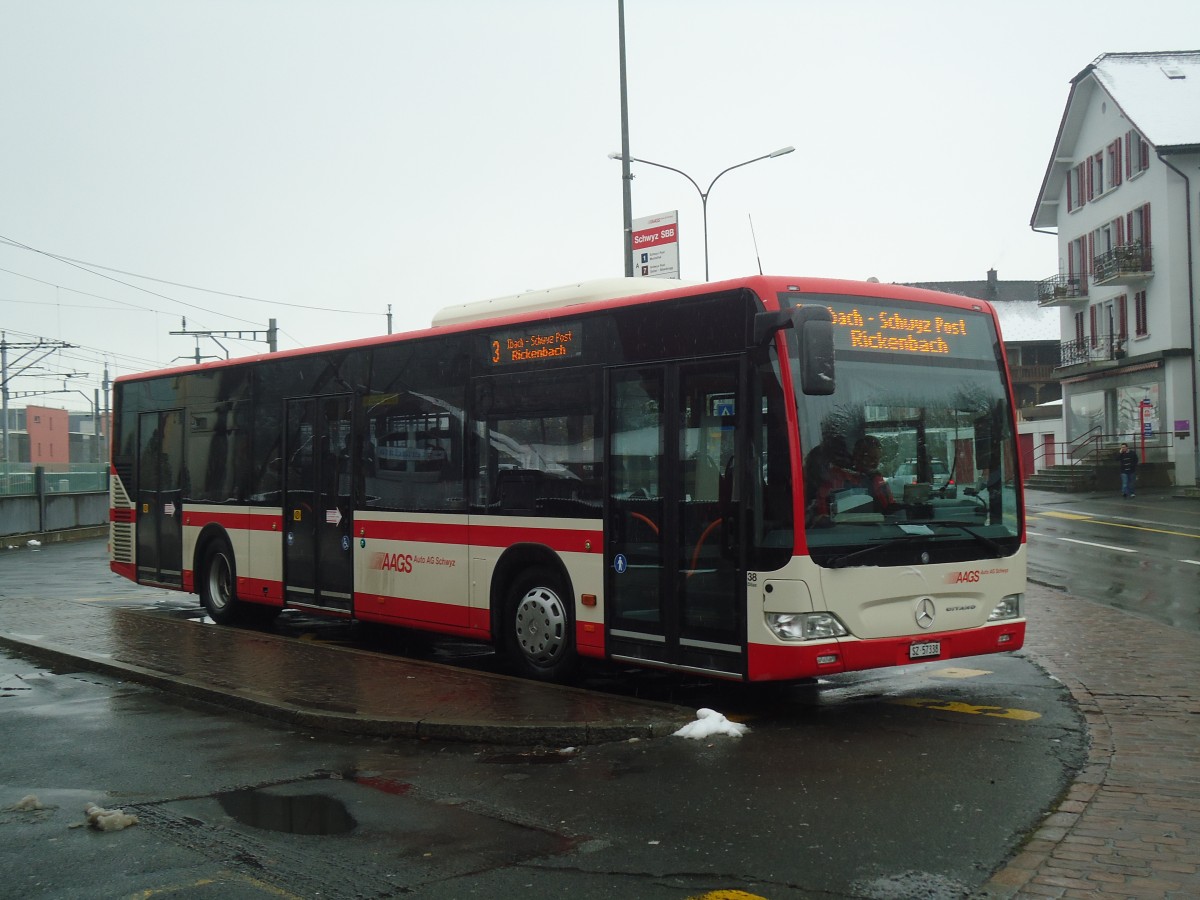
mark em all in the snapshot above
pixel 1122 194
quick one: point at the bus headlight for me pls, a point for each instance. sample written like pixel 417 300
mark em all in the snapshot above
pixel 805 626
pixel 1008 608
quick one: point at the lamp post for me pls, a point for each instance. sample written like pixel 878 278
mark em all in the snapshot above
pixel 783 151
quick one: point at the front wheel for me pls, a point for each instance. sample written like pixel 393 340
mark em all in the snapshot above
pixel 539 627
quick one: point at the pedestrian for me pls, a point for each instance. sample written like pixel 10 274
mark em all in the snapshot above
pixel 1128 461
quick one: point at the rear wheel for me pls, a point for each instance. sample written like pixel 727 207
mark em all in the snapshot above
pixel 539 636
pixel 218 584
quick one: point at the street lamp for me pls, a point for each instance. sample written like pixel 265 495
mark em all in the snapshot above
pixel 783 151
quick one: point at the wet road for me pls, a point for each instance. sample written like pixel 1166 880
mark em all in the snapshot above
pixel 915 782
pixel 1141 555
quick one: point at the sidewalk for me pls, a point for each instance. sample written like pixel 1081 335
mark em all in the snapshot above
pixel 323 686
pixel 1130 824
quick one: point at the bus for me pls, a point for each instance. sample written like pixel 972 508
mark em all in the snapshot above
pixel 643 471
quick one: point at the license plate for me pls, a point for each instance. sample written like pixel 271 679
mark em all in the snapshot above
pixel 925 650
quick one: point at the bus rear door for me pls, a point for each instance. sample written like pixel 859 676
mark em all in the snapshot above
pixel 318 502
pixel 675 577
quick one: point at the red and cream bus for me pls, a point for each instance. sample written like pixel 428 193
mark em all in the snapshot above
pixel 638 470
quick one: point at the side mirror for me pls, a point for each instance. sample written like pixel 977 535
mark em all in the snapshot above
pixel 814 327
pixel 766 324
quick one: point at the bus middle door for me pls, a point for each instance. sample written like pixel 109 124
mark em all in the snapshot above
pixel 675 578
pixel 318 502
pixel 160 498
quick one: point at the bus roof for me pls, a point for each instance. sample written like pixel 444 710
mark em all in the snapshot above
pixel 554 298
pixel 591 294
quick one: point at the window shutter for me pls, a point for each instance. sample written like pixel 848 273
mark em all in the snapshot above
pixel 1090 267
pixel 1116 169
pixel 1146 230
pixel 1092 323
pixel 1090 191
pixel 1122 317
pixel 1120 231
pixel 1129 148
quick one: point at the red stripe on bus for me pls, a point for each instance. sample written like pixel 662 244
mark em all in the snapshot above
pixel 566 540
pixel 433 532
pixel 198 518
pixel 569 540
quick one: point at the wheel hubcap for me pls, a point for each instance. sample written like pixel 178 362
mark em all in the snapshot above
pixel 541 625
pixel 218 582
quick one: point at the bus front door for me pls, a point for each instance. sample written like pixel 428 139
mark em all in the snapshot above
pixel 675 577
pixel 160 498
pixel 318 502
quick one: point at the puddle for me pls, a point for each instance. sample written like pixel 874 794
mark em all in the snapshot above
pixel 302 814
pixel 533 757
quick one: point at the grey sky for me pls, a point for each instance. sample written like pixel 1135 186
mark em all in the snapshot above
pixel 353 154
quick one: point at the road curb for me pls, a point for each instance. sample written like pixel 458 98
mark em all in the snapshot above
pixel 425 728
pixel 1039 845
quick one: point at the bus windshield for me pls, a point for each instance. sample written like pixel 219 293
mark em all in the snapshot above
pixel 912 458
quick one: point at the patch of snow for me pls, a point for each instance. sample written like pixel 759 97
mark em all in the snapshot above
pixel 709 722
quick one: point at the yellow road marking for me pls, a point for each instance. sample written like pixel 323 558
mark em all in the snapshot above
pixel 224 876
pixel 1146 528
pixel 995 712
pixel 727 895
pixel 959 673
pixel 1082 518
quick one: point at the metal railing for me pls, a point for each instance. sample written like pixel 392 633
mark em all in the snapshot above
pixel 1128 259
pixel 21 479
pixel 1061 287
pixel 1099 348
pixel 1093 450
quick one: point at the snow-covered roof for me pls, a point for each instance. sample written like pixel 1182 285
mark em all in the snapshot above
pixel 1021 320
pixel 1158 93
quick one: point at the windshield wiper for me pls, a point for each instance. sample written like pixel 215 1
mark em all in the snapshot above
pixel 840 562
pixel 995 546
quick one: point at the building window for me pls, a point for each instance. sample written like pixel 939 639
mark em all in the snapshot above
pixel 1079 333
pixel 1139 314
pixel 1113 152
pixel 1137 154
pixel 1077 187
pixel 1137 225
pixel 1096 171
pixel 1077 262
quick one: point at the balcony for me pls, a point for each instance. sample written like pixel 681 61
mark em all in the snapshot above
pixel 1128 264
pixel 1061 290
pixel 1027 374
pixel 1106 352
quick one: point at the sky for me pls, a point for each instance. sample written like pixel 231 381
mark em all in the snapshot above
pixel 319 161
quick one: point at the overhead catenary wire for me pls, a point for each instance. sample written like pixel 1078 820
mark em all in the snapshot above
pixel 90 266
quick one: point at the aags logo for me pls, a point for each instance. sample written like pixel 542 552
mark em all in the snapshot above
pixel 962 577
pixel 393 562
